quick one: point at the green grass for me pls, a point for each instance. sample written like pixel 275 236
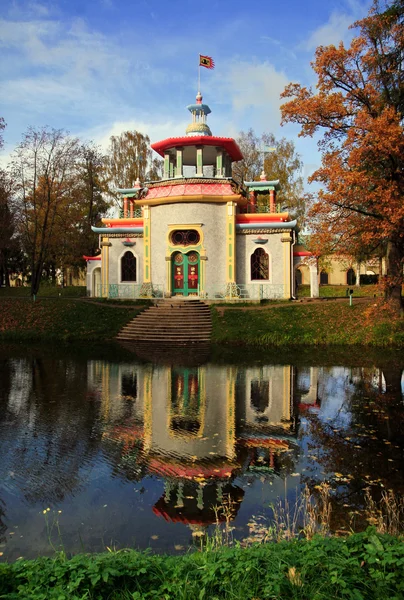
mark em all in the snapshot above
pixel 338 291
pixel 309 325
pixel 362 566
pixel 60 320
pixel 45 291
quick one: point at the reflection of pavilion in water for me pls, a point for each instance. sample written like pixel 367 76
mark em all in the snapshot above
pixel 198 427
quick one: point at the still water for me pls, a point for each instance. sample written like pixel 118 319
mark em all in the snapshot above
pixel 109 449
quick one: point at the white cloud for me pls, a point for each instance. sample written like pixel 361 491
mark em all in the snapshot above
pixel 337 27
pixel 254 89
pixel 154 129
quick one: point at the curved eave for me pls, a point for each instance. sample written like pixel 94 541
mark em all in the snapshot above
pixel 126 222
pixel 262 217
pixel 240 200
pixel 268 225
pixel 128 190
pixel 228 144
pixel 117 229
pixel 88 258
pixel 199 108
pixel 302 253
pixel 263 185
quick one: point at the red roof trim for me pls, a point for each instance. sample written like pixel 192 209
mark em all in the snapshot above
pixel 228 144
pixel 87 258
pixel 302 253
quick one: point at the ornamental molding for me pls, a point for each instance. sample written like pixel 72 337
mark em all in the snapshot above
pixel 122 235
pixel 262 231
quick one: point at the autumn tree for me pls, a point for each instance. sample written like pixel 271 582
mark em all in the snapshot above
pixel 129 158
pixel 84 204
pixel 359 109
pixel 279 160
pixel 8 240
pixel 44 166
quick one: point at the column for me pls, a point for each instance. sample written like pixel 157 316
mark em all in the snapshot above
pixel 131 204
pixel 286 240
pixel 272 201
pixel 314 288
pixel 146 289
pixel 253 202
pixel 105 244
pixel 199 161
pixel 178 168
pixel 125 208
pixel 231 287
pixel 219 162
pixel 166 174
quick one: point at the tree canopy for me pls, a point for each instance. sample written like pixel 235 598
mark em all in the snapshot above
pixel 358 108
pixel 129 158
pixel 281 162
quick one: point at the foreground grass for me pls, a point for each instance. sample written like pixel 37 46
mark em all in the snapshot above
pixel 366 565
pixel 327 323
pixel 60 320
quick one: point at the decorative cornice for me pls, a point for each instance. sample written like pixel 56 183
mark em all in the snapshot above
pixel 265 231
pixel 194 198
pixel 121 235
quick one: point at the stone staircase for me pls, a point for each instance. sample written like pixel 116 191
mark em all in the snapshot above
pixel 170 322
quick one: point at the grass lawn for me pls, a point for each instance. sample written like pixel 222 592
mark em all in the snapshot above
pixel 338 291
pixel 45 291
pixel 60 319
pixel 312 324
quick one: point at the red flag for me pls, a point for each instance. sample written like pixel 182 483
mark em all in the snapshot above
pixel 206 61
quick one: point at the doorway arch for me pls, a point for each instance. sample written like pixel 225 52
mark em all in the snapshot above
pixel 185 268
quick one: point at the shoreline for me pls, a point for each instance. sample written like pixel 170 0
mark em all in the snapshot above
pixel 308 323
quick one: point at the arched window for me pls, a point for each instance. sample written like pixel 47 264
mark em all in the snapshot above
pixel 128 267
pixel 298 277
pixel 324 278
pixel 350 277
pixel 259 265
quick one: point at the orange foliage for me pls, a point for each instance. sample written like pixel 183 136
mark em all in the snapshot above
pixel 358 106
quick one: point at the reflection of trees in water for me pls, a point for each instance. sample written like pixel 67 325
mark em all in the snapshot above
pixel 368 452
pixel 53 433
pixel 3 526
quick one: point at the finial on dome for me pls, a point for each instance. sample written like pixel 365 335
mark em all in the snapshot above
pixel 263 177
pixel 137 182
pixel 199 98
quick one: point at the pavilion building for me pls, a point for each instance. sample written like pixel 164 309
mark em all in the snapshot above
pixel 197 232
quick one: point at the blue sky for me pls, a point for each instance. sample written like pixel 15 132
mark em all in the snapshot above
pixel 99 67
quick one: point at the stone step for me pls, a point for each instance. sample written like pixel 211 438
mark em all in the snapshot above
pixel 170 322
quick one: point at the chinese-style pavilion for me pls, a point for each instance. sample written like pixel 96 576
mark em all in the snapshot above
pixel 196 232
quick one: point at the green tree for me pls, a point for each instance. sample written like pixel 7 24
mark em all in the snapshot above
pixel 279 160
pixel 129 158
pixel 358 107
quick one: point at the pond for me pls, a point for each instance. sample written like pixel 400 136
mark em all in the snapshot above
pixel 108 448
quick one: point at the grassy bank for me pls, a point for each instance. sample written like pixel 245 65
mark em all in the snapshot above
pixel 366 565
pixel 311 324
pixel 60 320
pixel 288 324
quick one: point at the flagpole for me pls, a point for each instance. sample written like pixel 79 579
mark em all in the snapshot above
pixel 199 74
